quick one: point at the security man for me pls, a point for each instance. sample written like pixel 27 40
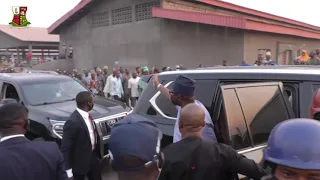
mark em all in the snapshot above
pixel 134 148
pixel 193 158
pixel 293 151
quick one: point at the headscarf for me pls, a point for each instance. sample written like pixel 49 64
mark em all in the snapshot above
pixel 306 57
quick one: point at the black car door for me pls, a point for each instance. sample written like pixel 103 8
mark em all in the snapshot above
pixel 251 111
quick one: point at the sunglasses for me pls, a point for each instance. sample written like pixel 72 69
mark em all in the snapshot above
pixel 173 93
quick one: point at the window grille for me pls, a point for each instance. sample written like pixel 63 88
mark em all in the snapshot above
pixel 121 16
pixel 100 19
pixel 144 11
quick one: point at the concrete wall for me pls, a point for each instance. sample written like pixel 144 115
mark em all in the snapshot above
pixel 150 42
pixel 258 40
pixel 131 45
pixel 7 41
pixel 54 65
pixel 192 44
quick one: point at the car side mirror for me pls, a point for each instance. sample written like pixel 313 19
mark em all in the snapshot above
pixel 7 101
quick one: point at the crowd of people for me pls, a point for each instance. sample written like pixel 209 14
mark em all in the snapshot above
pixel 120 84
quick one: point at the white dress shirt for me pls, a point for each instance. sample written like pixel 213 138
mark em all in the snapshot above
pixel 85 116
pixel 10 137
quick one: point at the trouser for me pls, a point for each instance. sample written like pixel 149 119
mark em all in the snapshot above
pixel 134 101
pixel 126 99
pixel 29 63
pixel 94 171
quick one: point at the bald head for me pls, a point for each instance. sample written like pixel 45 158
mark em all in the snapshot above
pixel 191 118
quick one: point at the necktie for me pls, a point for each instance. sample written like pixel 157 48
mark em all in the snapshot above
pixel 94 130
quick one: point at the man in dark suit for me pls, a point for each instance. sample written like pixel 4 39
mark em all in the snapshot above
pixel 79 141
pixel 22 159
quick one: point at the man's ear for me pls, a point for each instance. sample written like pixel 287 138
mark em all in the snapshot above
pixel 203 123
pixel 180 125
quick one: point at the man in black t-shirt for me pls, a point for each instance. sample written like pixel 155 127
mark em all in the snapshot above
pixel 195 159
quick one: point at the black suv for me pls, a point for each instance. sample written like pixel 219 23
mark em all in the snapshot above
pixel 50 100
pixel 245 103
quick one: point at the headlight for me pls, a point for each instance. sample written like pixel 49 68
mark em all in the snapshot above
pixel 57 127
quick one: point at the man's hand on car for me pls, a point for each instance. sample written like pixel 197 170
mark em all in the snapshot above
pixel 155 80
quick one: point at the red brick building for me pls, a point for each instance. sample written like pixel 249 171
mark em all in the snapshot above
pixel 170 32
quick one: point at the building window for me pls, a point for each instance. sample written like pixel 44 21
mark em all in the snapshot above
pixel 144 11
pixel 121 16
pixel 100 19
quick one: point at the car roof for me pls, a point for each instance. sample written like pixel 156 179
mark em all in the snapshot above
pixel 303 70
pixel 26 78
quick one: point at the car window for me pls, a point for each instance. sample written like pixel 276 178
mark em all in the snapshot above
pixel 204 93
pixel 10 92
pixel 315 87
pixel 264 112
pixel 236 123
pixel 165 105
pixel 51 91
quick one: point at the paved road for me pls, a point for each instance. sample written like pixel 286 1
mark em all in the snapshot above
pixel 109 174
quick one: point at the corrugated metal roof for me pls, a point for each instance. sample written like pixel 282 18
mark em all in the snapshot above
pixel 233 7
pixel 69 14
pixel 199 17
pixel 33 34
pixel 218 3
pixel 232 21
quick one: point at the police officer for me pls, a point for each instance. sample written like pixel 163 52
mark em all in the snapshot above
pixel 134 148
pixel 293 151
pixel 193 158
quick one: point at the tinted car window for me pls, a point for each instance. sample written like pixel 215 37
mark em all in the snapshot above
pixel 237 127
pixel 204 93
pixel 51 91
pixel 264 112
pixel 165 105
pixel 315 87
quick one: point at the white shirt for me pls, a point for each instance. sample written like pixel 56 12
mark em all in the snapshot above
pixel 116 87
pixel 133 85
pixel 207 130
pixel 85 116
pixel 10 137
pixel 106 89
